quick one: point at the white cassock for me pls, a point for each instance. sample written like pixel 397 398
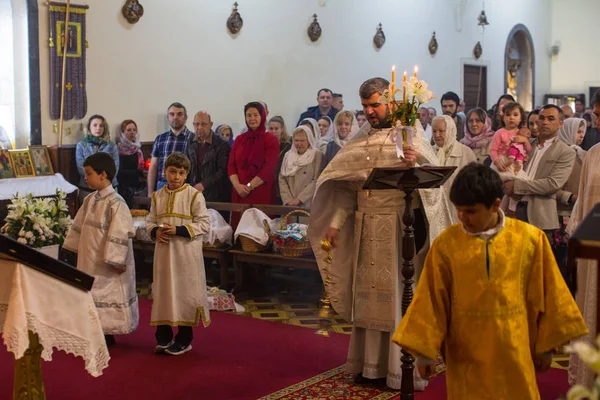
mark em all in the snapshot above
pixel 101 236
pixel 179 287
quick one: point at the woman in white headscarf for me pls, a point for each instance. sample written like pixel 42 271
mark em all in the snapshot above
pixel 450 152
pixel 571 133
pixel 321 141
pixel 345 126
pixel 300 169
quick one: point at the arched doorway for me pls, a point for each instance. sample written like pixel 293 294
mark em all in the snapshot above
pixel 519 66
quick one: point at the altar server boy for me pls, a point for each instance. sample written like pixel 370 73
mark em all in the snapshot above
pixel 490 298
pixel 177 220
pixel 101 236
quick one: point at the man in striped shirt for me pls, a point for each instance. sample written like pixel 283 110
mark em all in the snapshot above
pixel 175 139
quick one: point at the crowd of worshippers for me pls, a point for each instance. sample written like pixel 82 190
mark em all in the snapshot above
pixel 268 164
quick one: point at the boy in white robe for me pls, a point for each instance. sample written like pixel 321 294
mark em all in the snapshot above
pixel 101 235
pixel 178 219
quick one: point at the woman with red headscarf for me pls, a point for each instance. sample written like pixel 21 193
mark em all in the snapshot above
pixel 252 162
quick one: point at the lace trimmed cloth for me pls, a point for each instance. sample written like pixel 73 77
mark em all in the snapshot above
pixel 63 316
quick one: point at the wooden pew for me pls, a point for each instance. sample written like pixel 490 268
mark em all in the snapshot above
pixel 242 258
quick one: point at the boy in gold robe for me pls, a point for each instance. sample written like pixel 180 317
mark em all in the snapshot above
pixel 490 298
pixel 178 219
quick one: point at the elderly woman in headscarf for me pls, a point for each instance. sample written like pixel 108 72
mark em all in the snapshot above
pixel 300 169
pixel 225 132
pixel 345 126
pixel 450 152
pixel 96 140
pixel 252 162
pixel 314 127
pixel 132 164
pixel 479 135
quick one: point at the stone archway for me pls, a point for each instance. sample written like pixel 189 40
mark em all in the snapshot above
pixel 519 66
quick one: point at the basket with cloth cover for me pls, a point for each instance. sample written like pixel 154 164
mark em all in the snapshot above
pixel 220 233
pixel 292 239
pixel 254 230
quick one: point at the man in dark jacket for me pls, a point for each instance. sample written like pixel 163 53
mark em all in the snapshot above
pixel 325 100
pixel 209 153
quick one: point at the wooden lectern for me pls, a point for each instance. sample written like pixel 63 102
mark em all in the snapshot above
pixel 28 383
pixel 585 243
pixel 408 180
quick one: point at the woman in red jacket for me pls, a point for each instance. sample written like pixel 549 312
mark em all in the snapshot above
pixel 252 162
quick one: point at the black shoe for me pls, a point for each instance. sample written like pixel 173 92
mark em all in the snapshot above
pixel 162 346
pixel 359 379
pixel 110 340
pixel 177 349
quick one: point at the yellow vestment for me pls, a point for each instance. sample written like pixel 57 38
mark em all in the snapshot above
pixel 490 306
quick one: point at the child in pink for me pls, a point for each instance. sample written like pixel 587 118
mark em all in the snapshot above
pixel 510 147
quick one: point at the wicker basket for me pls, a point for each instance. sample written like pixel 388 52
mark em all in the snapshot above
pixel 292 247
pixel 251 246
pixel 216 245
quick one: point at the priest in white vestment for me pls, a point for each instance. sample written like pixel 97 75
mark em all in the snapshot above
pixel 101 236
pixel 365 229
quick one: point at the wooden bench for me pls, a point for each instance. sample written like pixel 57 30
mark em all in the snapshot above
pixel 229 255
pixel 242 258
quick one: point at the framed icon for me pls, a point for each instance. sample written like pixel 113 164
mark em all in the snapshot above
pixel 40 156
pixel 22 164
pixel 6 166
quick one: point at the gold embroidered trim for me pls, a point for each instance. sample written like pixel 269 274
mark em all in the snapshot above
pixel 74 9
pixel 200 314
pixel 165 215
pixel 190 231
pixel 192 203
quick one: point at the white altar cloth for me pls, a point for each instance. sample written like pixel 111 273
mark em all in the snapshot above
pixel 38 186
pixel 63 316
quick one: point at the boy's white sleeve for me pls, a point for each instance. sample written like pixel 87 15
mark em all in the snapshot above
pixel 151 220
pixel 200 224
pixel 120 232
pixel 72 239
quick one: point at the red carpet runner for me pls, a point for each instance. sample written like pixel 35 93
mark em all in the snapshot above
pixel 236 358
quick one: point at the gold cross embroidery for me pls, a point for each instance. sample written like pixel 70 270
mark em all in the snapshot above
pixel 69 86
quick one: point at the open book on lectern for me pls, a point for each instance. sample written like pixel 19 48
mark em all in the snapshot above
pixel 423 177
pixel 12 250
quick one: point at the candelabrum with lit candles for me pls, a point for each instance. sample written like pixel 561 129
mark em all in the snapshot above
pixel 404 112
pixel 326 312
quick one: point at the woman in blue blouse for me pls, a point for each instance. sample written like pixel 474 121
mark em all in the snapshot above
pixel 97 139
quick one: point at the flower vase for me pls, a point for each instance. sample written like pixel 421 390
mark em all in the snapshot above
pixel 50 251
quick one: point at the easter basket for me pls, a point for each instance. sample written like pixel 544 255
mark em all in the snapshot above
pixel 292 240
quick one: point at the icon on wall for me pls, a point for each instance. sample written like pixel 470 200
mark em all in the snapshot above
pixel 379 38
pixel 433 45
pixel 132 11
pixel 235 21
pixel 314 30
pixel 477 51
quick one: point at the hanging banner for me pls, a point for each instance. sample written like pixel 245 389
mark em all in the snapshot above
pixel 75 37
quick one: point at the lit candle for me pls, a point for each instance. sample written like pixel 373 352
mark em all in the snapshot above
pixel 416 70
pixel 393 80
pixel 404 88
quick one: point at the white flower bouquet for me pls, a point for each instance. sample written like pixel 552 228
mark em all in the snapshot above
pixel 38 222
pixel 590 355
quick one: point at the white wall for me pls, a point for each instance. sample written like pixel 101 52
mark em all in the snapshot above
pixel 181 51
pixel 573 25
